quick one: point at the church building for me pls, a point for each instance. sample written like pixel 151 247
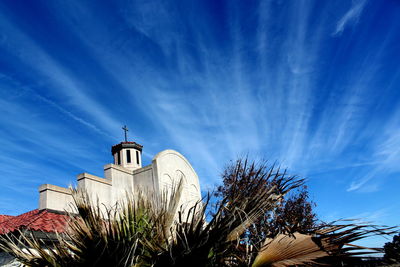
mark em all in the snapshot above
pixel 124 175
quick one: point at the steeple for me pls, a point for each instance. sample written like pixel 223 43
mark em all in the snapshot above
pixel 127 154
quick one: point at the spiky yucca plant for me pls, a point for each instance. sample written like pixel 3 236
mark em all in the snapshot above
pixel 100 236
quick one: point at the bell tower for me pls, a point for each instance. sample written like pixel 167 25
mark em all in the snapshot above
pixel 127 154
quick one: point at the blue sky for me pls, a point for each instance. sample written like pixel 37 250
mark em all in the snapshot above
pixel 313 85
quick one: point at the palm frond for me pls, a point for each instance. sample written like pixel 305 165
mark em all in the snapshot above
pixel 285 250
pixel 331 243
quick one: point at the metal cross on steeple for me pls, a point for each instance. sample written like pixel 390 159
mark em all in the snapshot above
pixel 126 131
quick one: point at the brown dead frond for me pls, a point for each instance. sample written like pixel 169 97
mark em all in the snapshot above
pixel 330 244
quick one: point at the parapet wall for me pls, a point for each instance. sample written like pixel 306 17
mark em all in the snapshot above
pixel 55 198
pixel 60 198
pixel 107 191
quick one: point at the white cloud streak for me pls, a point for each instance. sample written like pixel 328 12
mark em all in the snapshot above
pixel 58 78
pixel 386 153
pixel 350 17
pixel 219 106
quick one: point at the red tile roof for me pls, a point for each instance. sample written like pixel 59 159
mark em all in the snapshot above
pixel 35 220
pixel 5 217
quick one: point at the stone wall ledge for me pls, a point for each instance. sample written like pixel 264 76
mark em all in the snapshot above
pixel 93 178
pixel 55 188
pixel 119 168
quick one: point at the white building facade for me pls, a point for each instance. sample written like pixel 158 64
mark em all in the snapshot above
pixel 126 175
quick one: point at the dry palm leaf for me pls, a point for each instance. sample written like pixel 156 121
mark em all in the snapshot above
pixel 333 241
pixel 286 250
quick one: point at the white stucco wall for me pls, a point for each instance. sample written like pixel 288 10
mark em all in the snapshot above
pixel 98 189
pixel 170 167
pixel 121 180
pixel 55 198
pixel 144 179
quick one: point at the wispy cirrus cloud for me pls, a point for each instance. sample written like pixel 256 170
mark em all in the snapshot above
pixel 375 216
pixel 350 17
pixel 212 79
pixel 386 154
pixel 26 90
pixel 69 88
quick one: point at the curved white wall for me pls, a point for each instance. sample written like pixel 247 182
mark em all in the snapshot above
pixel 171 167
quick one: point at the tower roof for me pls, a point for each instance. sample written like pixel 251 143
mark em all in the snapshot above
pixel 122 145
